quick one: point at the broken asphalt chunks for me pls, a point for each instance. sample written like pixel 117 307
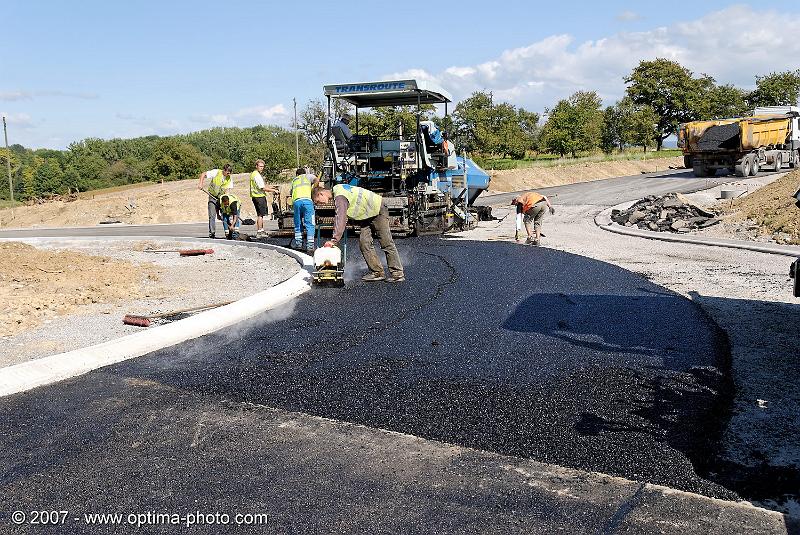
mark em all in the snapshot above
pixel 670 213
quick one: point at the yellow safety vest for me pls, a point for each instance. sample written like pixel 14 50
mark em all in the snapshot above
pixel 231 199
pixel 255 190
pixel 362 203
pixel 219 184
pixel 301 187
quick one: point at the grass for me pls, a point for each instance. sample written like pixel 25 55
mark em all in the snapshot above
pixel 5 203
pixel 550 160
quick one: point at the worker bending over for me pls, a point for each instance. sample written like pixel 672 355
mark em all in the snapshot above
pixel 221 182
pixel 231 209
pixel 258 194
pixel 368 210
pixel 303 208
pixel 532 206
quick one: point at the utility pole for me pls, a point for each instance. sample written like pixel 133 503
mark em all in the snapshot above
pixel 8 160
pixel 296 134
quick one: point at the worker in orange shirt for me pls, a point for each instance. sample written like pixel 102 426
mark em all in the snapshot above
pixel 531 206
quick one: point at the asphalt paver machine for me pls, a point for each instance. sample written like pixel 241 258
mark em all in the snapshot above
pixel 427 185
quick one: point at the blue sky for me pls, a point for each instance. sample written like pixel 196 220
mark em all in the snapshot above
pixel 119 69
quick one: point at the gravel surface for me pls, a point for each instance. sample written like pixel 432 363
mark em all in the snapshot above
pixel 749 295
pixel 231 273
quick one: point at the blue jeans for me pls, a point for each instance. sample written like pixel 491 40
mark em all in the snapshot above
pixel 303 215
pixel 226 221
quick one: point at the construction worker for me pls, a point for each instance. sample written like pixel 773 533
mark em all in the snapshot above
pixel 303 208
pixel 532 206
pixel 231 208
pixel 258 194
pixel 368 210
pixel 221 182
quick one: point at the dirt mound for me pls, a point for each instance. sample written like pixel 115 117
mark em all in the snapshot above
pixel 37 284
pixel 670 213
pixel 540 177
pixel 772 208
pixel 140 204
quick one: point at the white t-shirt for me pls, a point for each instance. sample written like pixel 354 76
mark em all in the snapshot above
pixel 259 180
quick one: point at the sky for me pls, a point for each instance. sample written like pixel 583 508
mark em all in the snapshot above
pixel 72 70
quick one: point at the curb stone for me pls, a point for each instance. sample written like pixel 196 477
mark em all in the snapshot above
pixel 53 368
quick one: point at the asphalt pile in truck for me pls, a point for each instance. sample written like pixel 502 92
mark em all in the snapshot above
pixel 670 213
pixel 724 136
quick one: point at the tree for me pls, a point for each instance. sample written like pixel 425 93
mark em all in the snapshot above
pixel 48 178
pixel 276 156
pixel 776 89
pixel 173 160
pixel 574 125
pixel 83 170
pixel 313 118
pixel 723 101
pixel 613 133
pixel 641 127
pixel 472 120
pixel 7 156
pixel 126 171
pixel 670 89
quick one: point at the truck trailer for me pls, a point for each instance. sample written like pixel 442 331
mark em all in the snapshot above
pixel 770 139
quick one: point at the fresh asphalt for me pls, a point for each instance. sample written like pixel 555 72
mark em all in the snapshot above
pixel 525 352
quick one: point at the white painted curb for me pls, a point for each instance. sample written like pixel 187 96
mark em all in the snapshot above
pixel 54 368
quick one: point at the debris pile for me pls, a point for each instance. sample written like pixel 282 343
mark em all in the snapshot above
pixel 671 213
pixel 71 197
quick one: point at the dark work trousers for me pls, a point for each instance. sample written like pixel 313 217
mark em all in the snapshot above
pixel 379 225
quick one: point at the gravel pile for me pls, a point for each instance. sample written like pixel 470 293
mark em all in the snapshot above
pixel 670 213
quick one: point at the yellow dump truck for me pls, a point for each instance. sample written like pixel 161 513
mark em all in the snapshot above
pixel 770 139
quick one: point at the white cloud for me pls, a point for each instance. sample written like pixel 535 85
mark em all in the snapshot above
pixel 244 117
pixel 538 75
pixel 30 95
pixel 15 95
pixel 628 16
pixel 23 121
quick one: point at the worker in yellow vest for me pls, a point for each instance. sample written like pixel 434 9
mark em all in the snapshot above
pixel 221 182
pixel 303 208
pixel 367 209
pixel 231 208
pixel 258 194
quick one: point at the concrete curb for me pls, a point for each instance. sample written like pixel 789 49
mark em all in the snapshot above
pixel 603 220
pixel 54 368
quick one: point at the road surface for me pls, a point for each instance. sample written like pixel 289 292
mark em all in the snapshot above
pixel 489 354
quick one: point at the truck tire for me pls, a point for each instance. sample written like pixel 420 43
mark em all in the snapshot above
pixel 755 167
pixel 743 167
pixel 793 272
pixel 778 161
pixel 700 171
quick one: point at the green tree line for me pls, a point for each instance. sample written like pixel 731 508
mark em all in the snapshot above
pixel 660 94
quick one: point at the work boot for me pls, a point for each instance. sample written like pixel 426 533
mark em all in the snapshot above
pixel 397 278
pixel 373 277
pixel 212 235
